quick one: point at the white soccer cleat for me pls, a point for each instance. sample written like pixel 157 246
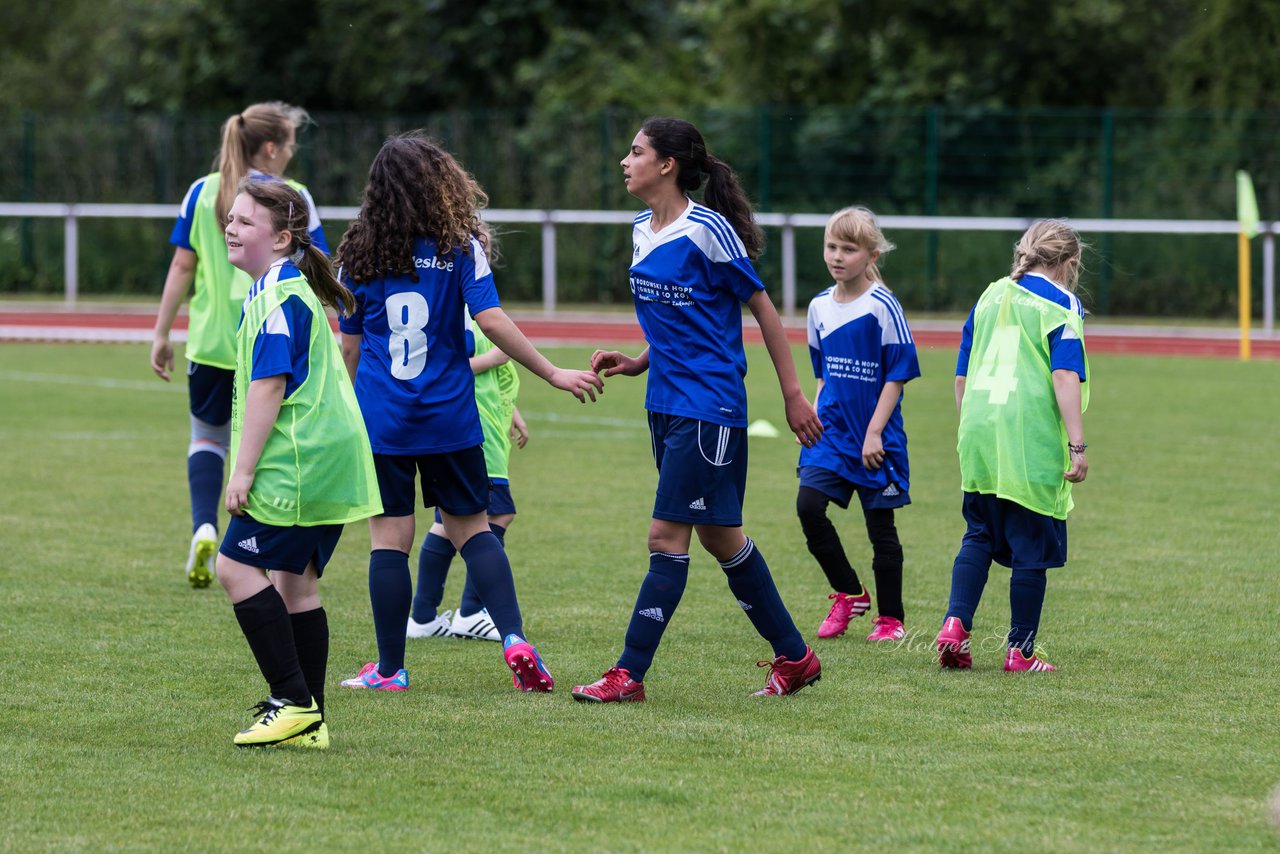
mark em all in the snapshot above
pixel 477 626
pixel 200 561
pixel 437 628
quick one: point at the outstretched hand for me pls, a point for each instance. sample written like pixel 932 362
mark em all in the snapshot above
pixel 612 363
pixel 803 420
pixel 581 384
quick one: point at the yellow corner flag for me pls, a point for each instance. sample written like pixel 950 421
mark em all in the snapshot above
pixel 1246 204
pixel 1247 214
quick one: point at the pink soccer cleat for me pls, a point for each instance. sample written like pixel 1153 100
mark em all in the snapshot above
pixel 788 677
pixel 953 645
pixel 1016 662
pixel 528 673
pixel 844 608
pixel 888 629
pixel 616 686
pixel 369 677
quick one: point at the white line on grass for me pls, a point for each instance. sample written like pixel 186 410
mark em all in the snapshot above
pixel 94 382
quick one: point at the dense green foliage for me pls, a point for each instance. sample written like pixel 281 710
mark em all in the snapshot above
pixel 1088 109
pixel 124 686
pixel 431 55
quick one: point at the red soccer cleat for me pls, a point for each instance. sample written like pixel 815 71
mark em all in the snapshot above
pixel 1016 662
pixel 953 645
pixel 616 686
pixel 788 677
pixel 888 629
pixel 844 608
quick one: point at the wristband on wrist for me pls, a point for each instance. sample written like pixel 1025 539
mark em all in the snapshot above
pixel 1076 449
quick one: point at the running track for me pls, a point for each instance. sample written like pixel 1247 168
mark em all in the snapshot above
pixel 43 324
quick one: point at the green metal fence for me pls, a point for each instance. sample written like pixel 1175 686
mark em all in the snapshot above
pixel 970 162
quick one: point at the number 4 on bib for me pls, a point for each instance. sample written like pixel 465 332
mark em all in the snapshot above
pixel 997 374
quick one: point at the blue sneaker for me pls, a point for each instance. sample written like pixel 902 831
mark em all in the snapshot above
pixel 528 673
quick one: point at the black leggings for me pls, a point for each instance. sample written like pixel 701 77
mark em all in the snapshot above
pixel 824 544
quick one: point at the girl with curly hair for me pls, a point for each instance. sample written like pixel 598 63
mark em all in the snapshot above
pixel 417 257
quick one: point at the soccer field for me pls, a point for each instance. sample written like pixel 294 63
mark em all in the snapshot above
pixel 123 686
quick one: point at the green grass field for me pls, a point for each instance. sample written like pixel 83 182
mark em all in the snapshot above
pixel 123 686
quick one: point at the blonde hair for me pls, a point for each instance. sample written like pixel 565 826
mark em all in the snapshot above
pixel 1052 245
pixel 858 225
pixel 243 135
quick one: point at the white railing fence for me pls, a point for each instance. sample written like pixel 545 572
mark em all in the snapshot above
pixel 71 214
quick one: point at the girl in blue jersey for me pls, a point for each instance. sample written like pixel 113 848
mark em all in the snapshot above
pixel 862 355
pixel 418 257
pixel 691 271
pixel 257 142
pixel 1021 391
pixel 301 464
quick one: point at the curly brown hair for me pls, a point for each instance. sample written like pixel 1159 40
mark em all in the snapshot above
pixel 416 189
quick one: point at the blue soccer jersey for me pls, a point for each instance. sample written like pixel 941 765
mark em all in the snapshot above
pixel 414 383
pixel 283 346
pixel 181 234
pixel 689 281
pixel 856 347
pixel 1066 350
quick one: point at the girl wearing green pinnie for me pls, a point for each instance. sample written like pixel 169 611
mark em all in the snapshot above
pixel 1021 390
pixel 301 462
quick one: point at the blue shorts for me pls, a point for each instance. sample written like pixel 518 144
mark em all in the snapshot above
pixel 702 470
pixel 500 501
pixel 839 490
pixel 280 549
pixel 1013 535
pixel 456 482
pixel 209 390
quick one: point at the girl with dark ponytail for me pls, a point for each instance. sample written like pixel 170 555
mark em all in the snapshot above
pixel 690 273
pixel 301 465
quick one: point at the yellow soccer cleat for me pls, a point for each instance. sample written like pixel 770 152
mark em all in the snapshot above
pixel 200 560
pixel 316 738
pixel 280 722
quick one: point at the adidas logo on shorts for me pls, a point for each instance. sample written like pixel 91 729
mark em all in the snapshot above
pixel 743 605
pixel 653 614
pixel 890 491
pixel 249 545
pixel 698 504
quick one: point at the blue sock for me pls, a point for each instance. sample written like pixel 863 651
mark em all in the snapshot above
pixel 471 601
pixel 204 479
pixel 433 569
pixel 489 569
pixel 390 592
pixel 656 603
pixel 751 582
pixel 968 578
pixel 1026 597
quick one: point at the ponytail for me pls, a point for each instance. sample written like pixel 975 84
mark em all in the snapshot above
pixel 243 136
pixel 1052 245
pixel 725 196
pixel 682 142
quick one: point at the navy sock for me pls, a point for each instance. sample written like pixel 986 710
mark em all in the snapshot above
pixel 311 639
pixel 1026 598
pixel 489 569
pixel 471 601
pixel 390 593
pixel 656 603
pixel 266 625
pixel 433 570
pixel 204 479
pixel 968 578
pixel 751 582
